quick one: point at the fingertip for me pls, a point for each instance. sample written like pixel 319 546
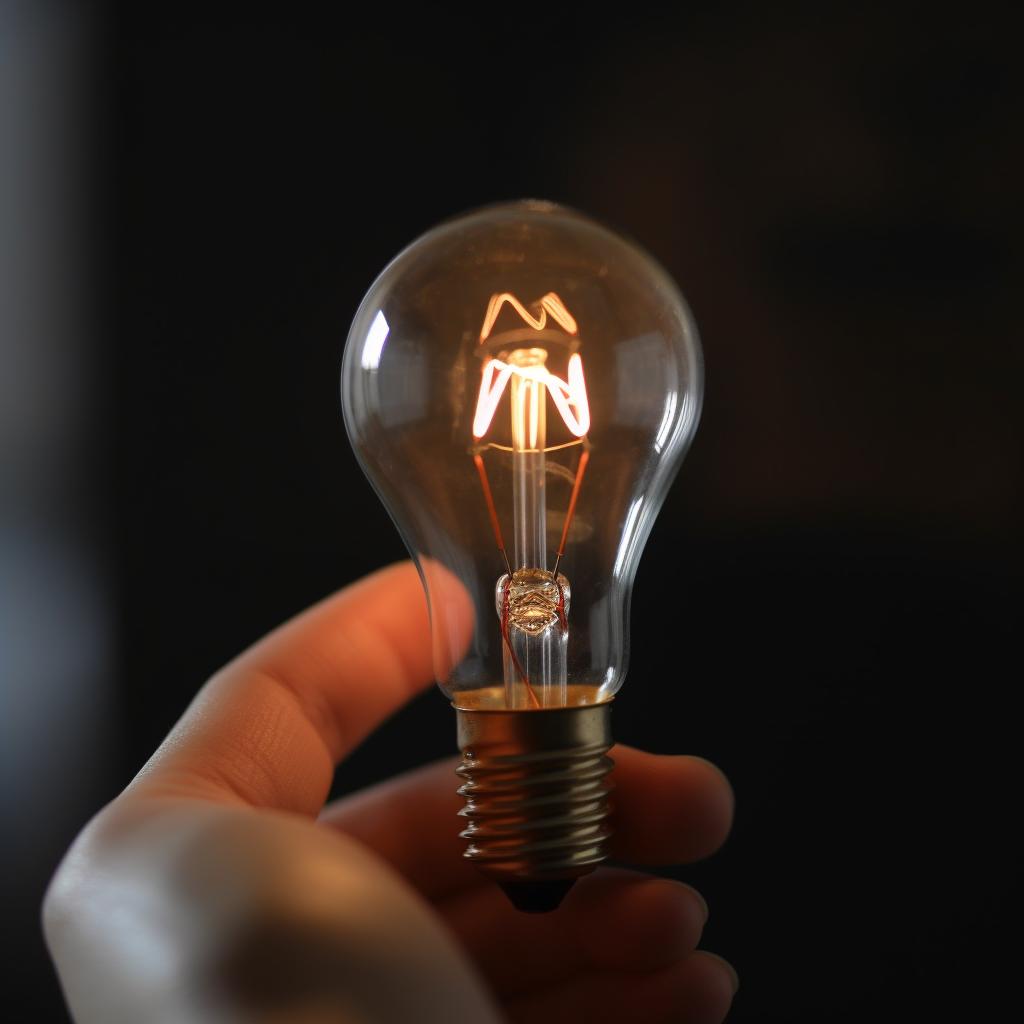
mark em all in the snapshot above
pixel 704 812
pixel 655 921
pixel 705 985
pixel 452 616
pixel 722 965
pixel 695 990
pixel 716 773
pixel 669 809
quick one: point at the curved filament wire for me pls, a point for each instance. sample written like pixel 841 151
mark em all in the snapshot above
pixel 551 305
pixel 570 397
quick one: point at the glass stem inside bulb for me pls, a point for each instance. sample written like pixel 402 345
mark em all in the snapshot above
pixel 532 603
pixel 529 435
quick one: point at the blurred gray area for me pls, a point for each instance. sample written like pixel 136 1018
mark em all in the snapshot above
pixel 55 628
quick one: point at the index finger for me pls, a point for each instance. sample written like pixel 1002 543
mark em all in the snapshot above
pixel 268 729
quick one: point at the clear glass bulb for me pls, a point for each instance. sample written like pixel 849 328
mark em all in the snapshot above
pixel 520 385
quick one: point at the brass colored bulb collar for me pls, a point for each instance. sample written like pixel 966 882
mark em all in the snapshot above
pixel 536 788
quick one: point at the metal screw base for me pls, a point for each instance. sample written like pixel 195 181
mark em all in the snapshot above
pixel 536 792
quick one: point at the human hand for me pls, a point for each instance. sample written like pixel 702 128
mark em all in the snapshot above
pixel 218 887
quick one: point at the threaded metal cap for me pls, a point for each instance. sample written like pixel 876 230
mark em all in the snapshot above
pixel 536 790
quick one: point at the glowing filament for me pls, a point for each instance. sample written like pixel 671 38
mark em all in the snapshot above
pixel 570 397
pixel 551 305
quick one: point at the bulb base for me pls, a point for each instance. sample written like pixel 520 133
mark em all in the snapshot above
pixel 536 788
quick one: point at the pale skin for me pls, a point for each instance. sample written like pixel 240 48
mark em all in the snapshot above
pixel 219 889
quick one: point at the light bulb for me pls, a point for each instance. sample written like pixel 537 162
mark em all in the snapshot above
pixel 520 385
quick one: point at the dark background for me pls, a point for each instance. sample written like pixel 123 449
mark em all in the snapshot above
pixel 829 606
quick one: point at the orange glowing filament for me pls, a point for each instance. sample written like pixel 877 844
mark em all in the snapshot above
pixel 551 305
pixel 570 397
pixel 523 364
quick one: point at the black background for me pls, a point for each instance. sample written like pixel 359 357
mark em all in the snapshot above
pixel 829 606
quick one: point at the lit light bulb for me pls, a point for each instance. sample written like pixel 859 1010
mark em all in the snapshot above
pixel 520 385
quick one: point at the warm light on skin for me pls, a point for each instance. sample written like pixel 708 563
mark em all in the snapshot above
pixel 570 397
